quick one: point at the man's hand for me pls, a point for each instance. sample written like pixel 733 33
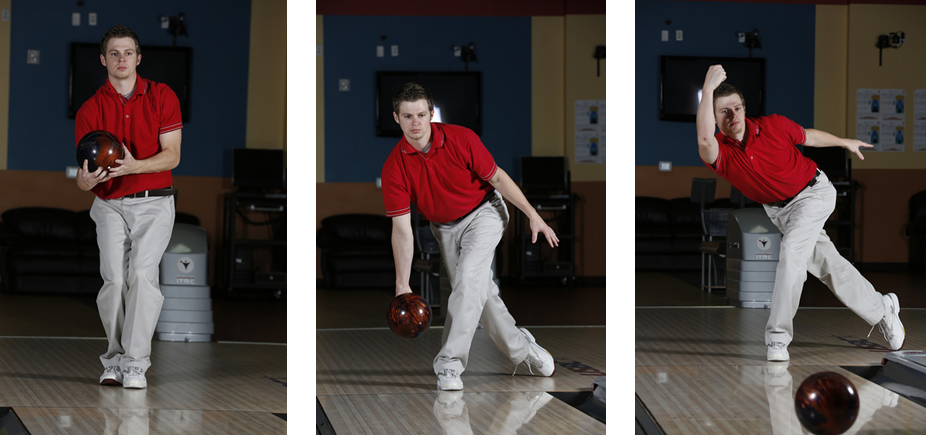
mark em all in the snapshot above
pixel 539 226
pixel 402 288
pixel 854 146
pixel 127 165
pixel 87 180
pixel 715 76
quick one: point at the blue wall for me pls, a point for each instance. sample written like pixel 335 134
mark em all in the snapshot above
pixel 787 35
pixel 41 134
pixel 353 152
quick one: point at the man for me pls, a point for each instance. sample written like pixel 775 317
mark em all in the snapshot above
pixel 758 157
pixel 454 182
pixel 134 205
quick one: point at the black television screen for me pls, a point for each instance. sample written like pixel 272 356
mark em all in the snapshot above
pixel 169 65
pixel 683 77
pixel 258 168
pixel 544 174
pixel 457 98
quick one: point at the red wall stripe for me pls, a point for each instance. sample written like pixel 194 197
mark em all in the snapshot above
pixel 494 8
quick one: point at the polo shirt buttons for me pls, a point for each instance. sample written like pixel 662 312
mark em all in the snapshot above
pixel 126 116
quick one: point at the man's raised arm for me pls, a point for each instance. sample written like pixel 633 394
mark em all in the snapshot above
pixel 707 143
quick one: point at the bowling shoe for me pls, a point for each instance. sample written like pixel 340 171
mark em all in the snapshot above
pixel 778 352
pixel 449 380
pixel 134 377
pixel 111 376
pixel 890 324
pixel 537 357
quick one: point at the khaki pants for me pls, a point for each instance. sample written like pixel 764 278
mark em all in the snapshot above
pixel 133 235
pixel 805 247
pixel 468 247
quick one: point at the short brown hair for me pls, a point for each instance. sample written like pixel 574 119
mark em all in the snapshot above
pixel 727 89
pixel 411 92
pixel 119 31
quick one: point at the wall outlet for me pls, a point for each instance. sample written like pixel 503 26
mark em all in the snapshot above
pixel 380 51
pixel 318 50
pixel 70 172
pixel 379 183
pixel 344 85
pixel 75 19
pixel 91 19
pixel 6 15
pixel 32 57
pixel 395 50
pixel 678 35
pixel 665 36
pixel 665 166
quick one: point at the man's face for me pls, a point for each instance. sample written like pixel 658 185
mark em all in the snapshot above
pixel 730 114
pixel 121 57
pixel 415 119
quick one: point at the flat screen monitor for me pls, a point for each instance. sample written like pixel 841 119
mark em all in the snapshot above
pixel 258 168
pixel 457 98
pixel 682 78
pixel 169 65
pixel 544 174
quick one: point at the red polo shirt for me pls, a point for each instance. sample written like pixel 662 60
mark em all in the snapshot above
pixel 768 167
pixel 152 110
pixel 446 183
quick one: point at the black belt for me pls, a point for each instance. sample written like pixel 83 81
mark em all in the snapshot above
pixel 785 202
pixel 147 193
pixel 485 199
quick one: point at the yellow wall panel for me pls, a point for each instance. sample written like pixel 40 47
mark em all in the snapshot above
pixel 583 34
pixel 548 107
pixel 266 117
pixel 902 69
pixel 831 69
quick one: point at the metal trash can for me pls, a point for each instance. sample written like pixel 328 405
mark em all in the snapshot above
pixel 753 244
pixel 186 314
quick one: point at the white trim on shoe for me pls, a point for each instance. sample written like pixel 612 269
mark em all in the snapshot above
pixel 778 352
pixel 449 380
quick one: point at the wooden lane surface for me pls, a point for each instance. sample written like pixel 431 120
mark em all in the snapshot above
pixel 45 379
pixel 368 381
pixel 704 370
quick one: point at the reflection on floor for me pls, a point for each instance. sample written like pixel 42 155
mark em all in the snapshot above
pixel 702 368
pixel 50 368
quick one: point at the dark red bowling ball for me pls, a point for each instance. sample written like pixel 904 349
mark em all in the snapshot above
pixel 100 149
pixel 409 315
pixel 826 403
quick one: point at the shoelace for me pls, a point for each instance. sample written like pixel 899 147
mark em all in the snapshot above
pixel 134 371
pixel 882 324
pixel 449 373
pixel 530 362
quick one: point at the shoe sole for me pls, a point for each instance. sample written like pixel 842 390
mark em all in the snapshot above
pixel 134 386
pixel 530 337
pixel 896 303
pixel 110 382
pixel 449 388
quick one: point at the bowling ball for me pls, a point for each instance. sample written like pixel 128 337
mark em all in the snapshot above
pixel 826 403
pixel 100 149
pixel 409 315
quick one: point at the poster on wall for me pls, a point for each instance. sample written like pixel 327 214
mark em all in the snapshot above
pixel 868 130
pixel 892 104
pixel 892 136
pixel 868 104
pixel 919 104
pixel 919 135
pixel 590 131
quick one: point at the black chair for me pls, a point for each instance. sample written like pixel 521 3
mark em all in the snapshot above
pixel 714 232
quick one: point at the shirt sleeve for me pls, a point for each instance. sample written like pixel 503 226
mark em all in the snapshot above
pixel 396 196
pixel 482 162
pixel 83 124
pixel 794 131
pixel 170 117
